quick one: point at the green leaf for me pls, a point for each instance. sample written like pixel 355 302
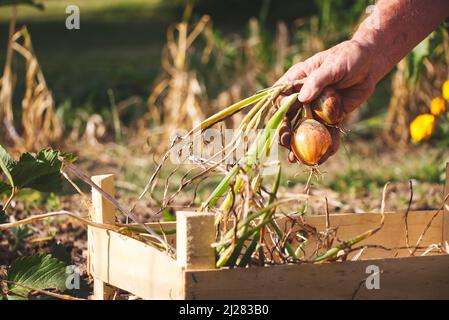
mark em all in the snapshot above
pixel 33 3
pixel 39 272
pixel 38 171
pixel 7 163
pixel 59 252
pixel 416 57
pixel 47 183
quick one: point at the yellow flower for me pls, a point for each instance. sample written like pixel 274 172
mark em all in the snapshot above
pixel 422 127
pixel 437 106
pixel 446 90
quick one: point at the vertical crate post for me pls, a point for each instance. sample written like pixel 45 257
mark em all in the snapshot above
pixel 103 212
pixel 195 232
pixel 446 208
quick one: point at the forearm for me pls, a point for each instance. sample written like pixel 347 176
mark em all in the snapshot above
pixel 396 26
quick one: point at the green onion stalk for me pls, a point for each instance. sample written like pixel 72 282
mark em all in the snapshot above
pixel 230 251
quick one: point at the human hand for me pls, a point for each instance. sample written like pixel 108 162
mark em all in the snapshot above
pixel 350 67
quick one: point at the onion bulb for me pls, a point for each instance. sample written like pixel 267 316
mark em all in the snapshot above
pixel 311 141
pixel 328 107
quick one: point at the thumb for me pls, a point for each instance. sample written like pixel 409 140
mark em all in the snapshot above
pixel 316 82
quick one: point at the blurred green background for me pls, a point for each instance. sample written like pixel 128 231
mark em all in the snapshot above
pixel 120 42
pixel 117 54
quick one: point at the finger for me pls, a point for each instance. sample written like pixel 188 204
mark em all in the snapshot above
pixel 280 100
pixel 302 70
pixel 285 131
pixel 312 63
pixel 285 134
pixel 293 109
pixel 292 157
pixel 320 78
pixel 296 72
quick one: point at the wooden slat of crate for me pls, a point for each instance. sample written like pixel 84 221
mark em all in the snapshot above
pixel 134 266
pixel 103 212
pixel 351 224
pixel 445 239
pixel 124 262
pixel 391 235
pixel 405 278
pixel 143 270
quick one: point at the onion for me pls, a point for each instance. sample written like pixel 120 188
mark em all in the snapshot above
pixel 310 142
pixel 328 107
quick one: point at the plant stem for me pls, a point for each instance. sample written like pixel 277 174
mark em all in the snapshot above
pixel 225 113
pixel 251 217
pixel 307 112
pixel 256 149
pixel 11 197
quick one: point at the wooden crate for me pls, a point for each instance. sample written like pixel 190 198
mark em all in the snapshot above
pixel 120 261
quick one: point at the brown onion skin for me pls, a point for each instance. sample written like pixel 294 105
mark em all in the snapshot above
pixel 328 107
pixel 336 136
pixel 311 142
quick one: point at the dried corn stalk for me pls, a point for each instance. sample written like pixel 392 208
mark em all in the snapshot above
pixel 255 64
pixel 7 87
pixel 399 113
pixel 412 90
pixel 177 99
pixel 40 126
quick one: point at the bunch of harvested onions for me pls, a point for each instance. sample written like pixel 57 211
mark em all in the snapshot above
pixel 249 209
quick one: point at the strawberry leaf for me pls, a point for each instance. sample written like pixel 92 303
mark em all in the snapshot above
pixel 39 171
pixel 7 163
pixel 38 272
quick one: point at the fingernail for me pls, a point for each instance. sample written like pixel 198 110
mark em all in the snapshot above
pixel 286 139
pixel 304 94
pixel 292 157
